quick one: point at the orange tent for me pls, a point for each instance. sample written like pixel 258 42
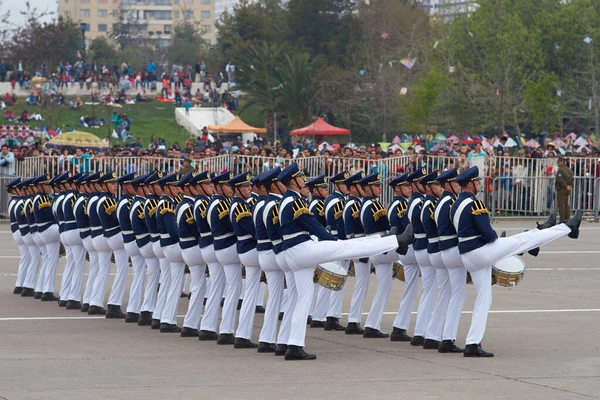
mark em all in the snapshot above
pixel 236 126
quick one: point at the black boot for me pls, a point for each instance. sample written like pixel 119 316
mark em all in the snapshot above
pixel 264 347
pixel 241 343
pixel 62 303
pixel 280 349
pixel 239 306
pixel 189 332
pixel 18 290
pixel 27 292
pixel 574 224
pixel 155 324
pixel 333 324
pixel 417 341
pixel 95 310
pixel 226 339
pixel 49 296
pixel 280 316
pixel 431 344
pixel 354 328
pixel 260 310
pixel 317 324
pixel 114 311
pixel 145 318
pixel 73 305
pixel 85 307
pixel 475 350
pixel 308 320
pixel 549 223
pixel 37 295
pixel 405 239
pixel 208 335
pixel 132 317
pixel 298 353
pixel 169 328
pixel 448 346
pixel 399 335
pixel 371 333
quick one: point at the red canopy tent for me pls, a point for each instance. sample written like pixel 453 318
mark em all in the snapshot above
pixel 320 128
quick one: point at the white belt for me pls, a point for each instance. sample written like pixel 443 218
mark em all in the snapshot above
pixel 420 235
pixel 84 229
pixel 293 235
pixel 245 237
pixel 333 232
pixel 358 235
pixel 447 237
pixel 192 239
pixel 165 236
pixel 225 236
pixel 69 222
pixel 141 237
pixel 127 232
pixel 276 242
pixel 434 240
pixel 465 239
pixel 263 241
pixel 205 234
pixel 380 233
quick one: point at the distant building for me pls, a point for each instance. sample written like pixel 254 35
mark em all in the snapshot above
pixel 448 8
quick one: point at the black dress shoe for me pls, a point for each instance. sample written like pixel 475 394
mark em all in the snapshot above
pixel 145 318
pixel 189 332
pixel 241 343
pixel 264 347
pixel 49 296
pixel 404 240
pixel 430 344
pixel 222 302
pixel 280 316
pixel 208 335
pixel 333 324
pixel 85 307
pixel 399 335
pixel 155 324
pixel 114 311
pixel 371 333
pixel 62 303
pixel 132 317
pixel 95 310
pixel 534 252
pixel 298 353
pixel 169 328
pixel 280 349
pixel 226 338
pixel 260 310
pixel 27 292
pixel 73 305
pixel 205 300
pixel 448 346
pixel 417 341
pixel 354 328
pixel 549 223
pixel 239 306
pixel 18 290
pixel 37 295
pixel 475 350
pixel 574 224
pixel 308 320
pixel 184 294
pixel 317 324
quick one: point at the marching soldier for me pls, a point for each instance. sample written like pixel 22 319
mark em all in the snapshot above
pixel 36 191
pixel 57 210
pixel 33 254
pixel 564 186
pixel 25 260
pixel 258 194
pixel 480 247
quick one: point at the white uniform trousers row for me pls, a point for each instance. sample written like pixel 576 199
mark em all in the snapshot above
pixel 383 270
pixel 250 260
pixel 153 268
pixel 411 284
pixel 93 271
pixel 164 280
pixel 138 263
pixel 285 327
pixel 214 290
pixel 193 258
pixel 232 267
pixel 174 257
pixel 72 279
pixel 50 239
pixel 275 277
pixel 117 292
pixel 457 275
pixel 39 285
pixel 428 285
pixel 25 260
pixel 440 308
pixel 99 284
pixel 362 271
pixel 33 261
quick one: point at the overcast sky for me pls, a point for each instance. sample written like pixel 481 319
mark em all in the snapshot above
pixel 16 6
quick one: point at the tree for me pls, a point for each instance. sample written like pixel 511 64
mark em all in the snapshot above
pixel 186 43
pixel 541 99
pixel 102 50
pixel 422 101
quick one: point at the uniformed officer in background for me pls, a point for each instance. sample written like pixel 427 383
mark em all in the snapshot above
pixel 564 186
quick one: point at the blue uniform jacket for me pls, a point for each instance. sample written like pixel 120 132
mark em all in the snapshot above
pixel 68 210
pixel 186 224
pixel 240 213
pixel 57 210
pixel 398 213
pixel 414 215
pixel 446 231
pixel 107 212
pixel 150 209
pixel 21 216
pixel 166 220
pixel 334 214
pixel 42 210
pixel 92 211
pixel 14 226
pixel 270 219
pixel 28 207
pixel 81 215
pixel 474 225
pixel 317 209
pixel 373 216
pixel 220 224
pixel 123 208
pixel 138 221
pixel 297 223
pixel 428 219
pixel 352 223
pixel 201 203
pixel 262 238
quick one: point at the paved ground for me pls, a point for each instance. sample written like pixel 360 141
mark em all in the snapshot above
pixel 544 334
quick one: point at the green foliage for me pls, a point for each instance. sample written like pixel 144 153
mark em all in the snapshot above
pixel 186 43
pixel 102 50
pixel 423 101
pixel 541 99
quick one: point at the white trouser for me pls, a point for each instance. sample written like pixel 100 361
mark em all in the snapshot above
pixel 65 282
pixel 34 261
pixel 458 283
pixel 193 258
pixel 39 285
pixel 383 269
pixel 285 328
pixel 268 263
pixel 262 290
pixel 174 256
pixel 440 308
pixel 25 260
pixel 94 267
pixel 104 254
pixel 215 291
pixel 232 267
pixel 164 280
pixel 153 267
pixel 427 292
pixel 51 239
pixel 479 264
pixel 122 261
pixel 362 271
pixel 71 286
pixel 411 284
pixel 248 310
pixel 138 262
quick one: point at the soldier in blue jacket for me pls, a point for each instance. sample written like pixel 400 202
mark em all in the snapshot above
pixel 144 244
pixel 33 253
pixel 362 267
pixel 398 216
pixel 258 193
pixel 25 260
pixel 36 191
pixel 56 184
pixel 302 253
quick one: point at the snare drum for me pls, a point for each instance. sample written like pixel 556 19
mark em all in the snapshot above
pixel 62 252
pixel 398 271
pixel 351 270
pixel 330 275
pixel 508 272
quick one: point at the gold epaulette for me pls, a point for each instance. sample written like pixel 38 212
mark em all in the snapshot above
pixel 479 208
pixel 432 210
pixel 203 208
pixel 251 201
pixel 355 210
pixel 275 213
pixel 44 201
pixel 110 205
pixel 152 204
pixel 189 217
pixel 141 214
pixel 300 208
pixel 402 209
pixel 178 199
pixel 338 210
pixel 223 209
pixel 167 208
pixel 320 207
pixel 242 211
pixel 378 210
